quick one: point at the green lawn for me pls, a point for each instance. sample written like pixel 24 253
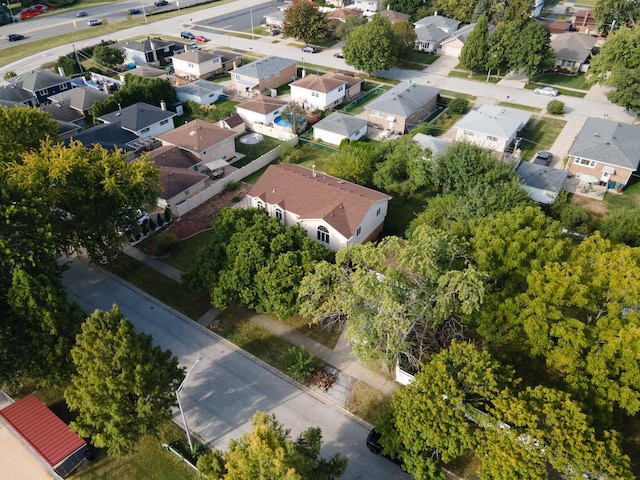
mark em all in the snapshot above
pixel 444 123
pixel 312 155
pixel 521 107
pixel 402 211
pixel 562 91
pixel 452 94
pixel 253 151
pixel 556 79
pixel 422 57
pixel 629 199
pixel 183 254
pixel 366 402
pixel 541 137
pixel 480 77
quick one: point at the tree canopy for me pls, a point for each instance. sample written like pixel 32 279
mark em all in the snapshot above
pixel 475 51
pixel 351 22
pixel 108 56
pixel 124 387
pixel 23 128
pixel 612 14
pixel 372 47
pixel 305 21
pixel 268 452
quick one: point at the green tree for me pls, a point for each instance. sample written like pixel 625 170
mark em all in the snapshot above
pixel 351 22
pixel 294 114
pixel 475 52
pixel 23 130
pixel 123 387
pixel 88 194
pixel 405 169
pixel 372 47
pixel 352 162
pixel 622 226
pixel 528 47
pixel 405 36
pixel 461 10
pixel 68 65
pixel 397 297
pixel 555 107
pixel 305 21
pixel 623 13
pixel 458 106
pixel 268 452
pixel 108 56
pixel 410 7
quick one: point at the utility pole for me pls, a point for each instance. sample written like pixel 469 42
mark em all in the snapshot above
pixel 75 52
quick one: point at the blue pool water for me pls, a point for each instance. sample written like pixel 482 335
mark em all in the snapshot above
pixel 283 122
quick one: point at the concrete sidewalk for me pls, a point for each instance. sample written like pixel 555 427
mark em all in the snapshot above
pixel 340 357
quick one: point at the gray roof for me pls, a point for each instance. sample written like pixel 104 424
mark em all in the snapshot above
pixel 495 121
pixel 62 111
pixel 264 67
pixel 449 25
pixel 430 33
pixel 201 88
pixel 197 56
pixel 573 46
pixel 609 142
pixel 145 46
pixel 463 32
pixel 81 98
pixel 404 99
pixel 13 93
pixel 541 177
pixel 39 80
pixel 137 116
pixel 109 135
pixel 341 124
pixel 435 144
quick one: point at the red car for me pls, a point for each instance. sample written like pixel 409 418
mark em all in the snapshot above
pixel 200 38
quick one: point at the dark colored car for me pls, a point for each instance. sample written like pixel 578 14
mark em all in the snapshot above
pixel 374 446
pixel 82 14
pixel 13 37
pixel 161 3
pixel 134 11
pixel 543 158
pixel 274 31
pixel 338 55
pixel 188 35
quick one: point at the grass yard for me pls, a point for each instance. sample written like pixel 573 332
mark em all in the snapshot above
pixel 253 178
pixel 312 155
pixel 402 211
pixel 184 252
pixel 556 79
pixel 422 57
pixel 444 123
pixel 629 199
pixel 521 107
pixel 542 136
pixel 366 402
pixel 452 94
pixel 253 151
pixel 410 65
pixel 562 91
pixel 480 77
pixel 157 285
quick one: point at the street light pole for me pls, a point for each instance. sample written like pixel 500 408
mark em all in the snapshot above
pixel 184 420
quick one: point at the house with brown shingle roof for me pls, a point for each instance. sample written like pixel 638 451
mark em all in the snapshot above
pixel 332 211
pixel 206 140
pixel 318 92
pixel 394 16
pixel 260 110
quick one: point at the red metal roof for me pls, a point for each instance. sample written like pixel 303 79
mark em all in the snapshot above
pixel 49 436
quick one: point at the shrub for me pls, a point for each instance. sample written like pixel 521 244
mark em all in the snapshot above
pixel 159 219
pixel 555 107
pixel 165 242
pixel 9 75
pixel 458 105
pixel 167 215
pixel 300 363
pixel 232 186
pixel 622 226
pixel 575 218
pixel 235 198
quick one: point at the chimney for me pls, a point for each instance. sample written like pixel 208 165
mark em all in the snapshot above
pixel 163 105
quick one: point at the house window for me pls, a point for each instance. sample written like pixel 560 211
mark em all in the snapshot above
pixel 358 231
pixel 341 88
pixel 585 162
pixel 144 130
pixel 164 122
pixel 568 64
pixel 378 212
pixel 315 94
pixel 260 204
pixel 323 234
pixel 468 133
pixel 492 139
pixel 191 65
pixel 279 214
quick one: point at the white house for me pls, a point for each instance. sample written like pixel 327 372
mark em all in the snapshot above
pixel 492 127
pixel 203 92
pixel 260 110
pixel 338 127
pixel 196 64
pixel 366 5
pixel 142 119
pixel 332 211
pixel 318 92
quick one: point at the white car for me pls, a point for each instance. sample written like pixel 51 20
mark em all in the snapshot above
pixel 548 91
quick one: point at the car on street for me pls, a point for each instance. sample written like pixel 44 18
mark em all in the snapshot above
pixel 188 35
pixel 548 91
pixel 13 37
pixel 543 158
pixel 161 3
pixel 374 446
pixel 309 49
pixel 338 55
pixel 134 11
pixel 94 22
pixel 200 38
pixel 82 13
pixel 274 31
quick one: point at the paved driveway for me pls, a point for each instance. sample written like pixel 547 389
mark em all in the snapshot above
pixel 228 386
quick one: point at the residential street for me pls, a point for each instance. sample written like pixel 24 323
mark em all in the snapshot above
pixel 228 386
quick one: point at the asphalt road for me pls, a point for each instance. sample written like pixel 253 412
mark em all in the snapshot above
pixel 228 386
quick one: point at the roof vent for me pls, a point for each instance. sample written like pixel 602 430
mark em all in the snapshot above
pixel 596 134
pixel 192 133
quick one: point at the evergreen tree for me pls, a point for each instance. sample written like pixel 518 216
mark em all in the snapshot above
pixel 475 52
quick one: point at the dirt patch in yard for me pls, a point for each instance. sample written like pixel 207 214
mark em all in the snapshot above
pixel 201 217
pixel 596 207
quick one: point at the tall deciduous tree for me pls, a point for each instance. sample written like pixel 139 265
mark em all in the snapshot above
pixel 624 13
pixel 351 22
pixel 108 56
pixel 268 452
pixel 305 21
pixel 88 194
pixel 124 387
pixel 461 10
pixel 23 128
pixel 405 36
pixel 529 47
pixel 410 7
pixel 353 162
pixel 405 168
pixel 372 47
pixel 475 52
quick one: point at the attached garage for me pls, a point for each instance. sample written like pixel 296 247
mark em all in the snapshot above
pixel 47 436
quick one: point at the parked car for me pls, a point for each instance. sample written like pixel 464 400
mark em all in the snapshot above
pixel 161 3
pixel 548 91
pixel 338 55
pixel 309 49
pixel 543 158
pixel 134 11
pixel 374 446
pixel 200 38
pixel 93 22
pixel 274 31
pixel 188 35
pixel 82 13
pixel 193 46
pixel 14 37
